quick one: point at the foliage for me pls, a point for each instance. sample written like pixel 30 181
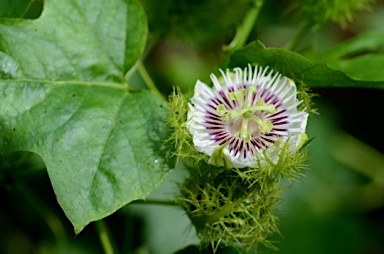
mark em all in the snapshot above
pixel 236 206
pixel 312 73
pixel 80 114
pixel 338 11
pixel 14 9
pixel 229 205
pixel 181 138
pixel 69 102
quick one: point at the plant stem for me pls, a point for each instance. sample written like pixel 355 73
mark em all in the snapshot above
pixel 147 79
pixel 155 202
pixel 243 31
pixel 304 31
pixel 365 160
pixel 359 156
pixel 104 236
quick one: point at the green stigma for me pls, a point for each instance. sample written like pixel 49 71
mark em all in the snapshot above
pixel 247 112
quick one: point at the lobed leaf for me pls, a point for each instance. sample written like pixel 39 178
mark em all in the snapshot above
pixel 63 95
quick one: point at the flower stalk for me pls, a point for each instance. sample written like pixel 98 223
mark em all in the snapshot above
pixel 243 31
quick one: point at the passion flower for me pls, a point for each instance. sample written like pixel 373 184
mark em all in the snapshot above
pixel 245 116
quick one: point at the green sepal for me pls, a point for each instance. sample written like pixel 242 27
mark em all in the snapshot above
pixel 305 144
pixel 219 159
pixel 303 138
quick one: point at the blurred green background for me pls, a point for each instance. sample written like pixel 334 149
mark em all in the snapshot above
pixel 337 207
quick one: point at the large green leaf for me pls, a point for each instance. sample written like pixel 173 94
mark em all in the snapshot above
pixel 14 8
pixel 63 95
pixel 297 67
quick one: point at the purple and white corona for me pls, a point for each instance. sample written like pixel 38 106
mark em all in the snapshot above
pixel 246 115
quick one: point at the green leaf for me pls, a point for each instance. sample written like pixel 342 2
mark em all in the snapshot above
pixel 361 58
pixel 367 42
pixel 76 40
pixel 14 8
pixel 296 67
pixel 102 145
pixel 365 67
pixel 63 95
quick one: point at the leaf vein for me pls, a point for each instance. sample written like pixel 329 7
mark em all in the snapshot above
pixel 113 125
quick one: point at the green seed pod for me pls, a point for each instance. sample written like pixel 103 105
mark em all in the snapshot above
pixel 226 211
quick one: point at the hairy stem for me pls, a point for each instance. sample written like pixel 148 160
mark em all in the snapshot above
pixel 243 31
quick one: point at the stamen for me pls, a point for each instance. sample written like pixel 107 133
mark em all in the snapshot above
pixel 229 114
pixel 244 134
pixel 238 96
pixel 270 108
pixel 247 112
pixel 222 111
pixel 265 126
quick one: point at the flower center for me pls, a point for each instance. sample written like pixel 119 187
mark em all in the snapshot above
pixel 246 113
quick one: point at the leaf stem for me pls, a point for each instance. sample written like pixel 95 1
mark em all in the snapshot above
pixel 308 27
pixel 104 236
pixel 243 31
pixel 155 202
pixel 147 79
